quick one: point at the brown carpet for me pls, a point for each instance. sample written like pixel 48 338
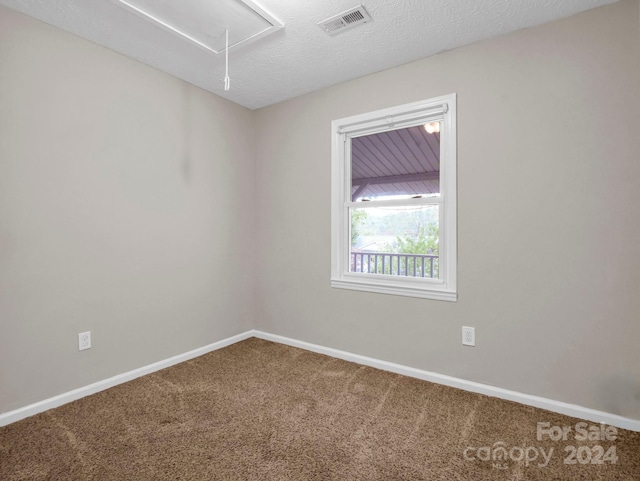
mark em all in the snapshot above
pixel 258 410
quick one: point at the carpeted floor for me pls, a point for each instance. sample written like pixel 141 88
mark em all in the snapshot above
pixel 258 410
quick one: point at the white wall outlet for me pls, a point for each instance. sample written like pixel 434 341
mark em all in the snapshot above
pixel 468 336
pixel 84 340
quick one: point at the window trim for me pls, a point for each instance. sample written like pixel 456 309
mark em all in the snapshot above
pixel 408 115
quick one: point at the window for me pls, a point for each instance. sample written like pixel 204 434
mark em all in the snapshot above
pixel 393 210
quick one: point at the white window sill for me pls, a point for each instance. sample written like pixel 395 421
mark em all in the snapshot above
pixel 399 287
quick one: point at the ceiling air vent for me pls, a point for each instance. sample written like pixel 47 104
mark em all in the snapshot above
pixel 345 20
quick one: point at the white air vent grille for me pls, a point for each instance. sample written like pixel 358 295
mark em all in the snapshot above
pixel 345 20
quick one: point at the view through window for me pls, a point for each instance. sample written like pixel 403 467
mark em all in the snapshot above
pixel 398 165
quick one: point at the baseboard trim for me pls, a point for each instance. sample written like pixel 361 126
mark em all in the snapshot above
pixel 572 410
pixel 64 398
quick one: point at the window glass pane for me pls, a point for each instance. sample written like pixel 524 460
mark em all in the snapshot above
pixel 396 163
pixel 395 241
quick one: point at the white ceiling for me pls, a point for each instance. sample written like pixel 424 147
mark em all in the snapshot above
pixel 301 57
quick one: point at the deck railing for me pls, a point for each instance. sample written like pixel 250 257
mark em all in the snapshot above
pixel 410 265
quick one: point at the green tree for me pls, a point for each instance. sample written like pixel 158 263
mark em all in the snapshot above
pixel 425 243
pixel 358 218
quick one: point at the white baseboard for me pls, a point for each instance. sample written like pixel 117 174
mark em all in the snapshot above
pixel 572 410
pixel 53 402
pixel 527 399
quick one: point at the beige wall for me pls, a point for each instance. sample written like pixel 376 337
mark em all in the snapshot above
pixel 129 200
pixel 548 217
pixel 121 212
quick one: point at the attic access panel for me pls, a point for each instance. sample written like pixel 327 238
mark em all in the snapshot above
pixel 204 22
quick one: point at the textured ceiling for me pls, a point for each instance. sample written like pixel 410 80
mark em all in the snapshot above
pixel 301 58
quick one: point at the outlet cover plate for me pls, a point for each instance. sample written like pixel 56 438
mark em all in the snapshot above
pixel 84 340
pixel 468 336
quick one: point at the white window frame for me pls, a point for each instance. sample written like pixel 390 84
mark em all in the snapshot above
pixel 441 109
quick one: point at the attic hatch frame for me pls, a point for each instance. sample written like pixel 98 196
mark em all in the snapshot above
pixel 250 4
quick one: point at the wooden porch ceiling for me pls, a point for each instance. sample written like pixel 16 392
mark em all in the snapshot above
pixel 404 161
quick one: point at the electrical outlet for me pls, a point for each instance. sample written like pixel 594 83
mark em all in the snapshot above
pixel 468 336
pixel 84 340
